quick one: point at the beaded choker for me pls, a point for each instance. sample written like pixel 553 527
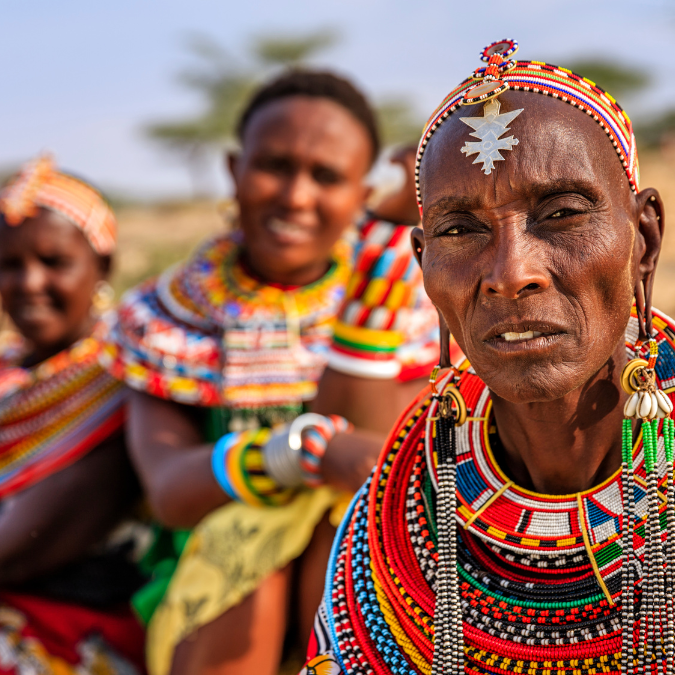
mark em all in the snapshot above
pixel 444 565
pixel 206 333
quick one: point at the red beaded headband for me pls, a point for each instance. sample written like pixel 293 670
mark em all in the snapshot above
pixel 501 74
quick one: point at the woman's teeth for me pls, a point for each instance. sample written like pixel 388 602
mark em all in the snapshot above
pixel 527 335
pixel 288 229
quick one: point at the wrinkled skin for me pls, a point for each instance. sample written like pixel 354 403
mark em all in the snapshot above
pixel 552 241
pixel 303 162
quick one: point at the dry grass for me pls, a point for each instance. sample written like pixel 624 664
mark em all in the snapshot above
pixel 658 171
pixel 152 238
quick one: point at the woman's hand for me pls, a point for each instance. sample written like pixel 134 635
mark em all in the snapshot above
pixel 350 458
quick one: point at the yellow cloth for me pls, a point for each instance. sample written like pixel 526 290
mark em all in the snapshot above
pixel 227 556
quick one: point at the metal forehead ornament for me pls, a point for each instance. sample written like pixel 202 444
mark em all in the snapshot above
pixel 489 128
pixel 492 125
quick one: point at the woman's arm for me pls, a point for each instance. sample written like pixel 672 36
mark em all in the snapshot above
pixel 173 462
pixel 367 403
pixel 57 520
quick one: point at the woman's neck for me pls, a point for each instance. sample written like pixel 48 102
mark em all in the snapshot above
pixel 567 445
pixel 296 278
pixel 42 352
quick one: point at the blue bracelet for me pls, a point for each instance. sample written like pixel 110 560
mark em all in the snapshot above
pixel 223 444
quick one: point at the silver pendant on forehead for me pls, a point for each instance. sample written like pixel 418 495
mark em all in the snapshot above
pixel 489 128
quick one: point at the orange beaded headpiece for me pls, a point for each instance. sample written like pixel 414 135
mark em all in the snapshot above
pixel 39 184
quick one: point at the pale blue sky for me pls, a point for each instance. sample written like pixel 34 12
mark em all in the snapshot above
pixel 81 78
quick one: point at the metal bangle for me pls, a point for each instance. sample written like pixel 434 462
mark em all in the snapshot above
pixel 281 456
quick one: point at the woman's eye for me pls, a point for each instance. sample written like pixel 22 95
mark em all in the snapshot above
pixel 563 213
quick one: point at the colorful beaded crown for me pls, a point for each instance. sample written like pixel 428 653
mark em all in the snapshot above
pixel 39 184
pixel 501 74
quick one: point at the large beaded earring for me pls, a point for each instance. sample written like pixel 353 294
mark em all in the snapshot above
pixel 450 412
pixel 647 404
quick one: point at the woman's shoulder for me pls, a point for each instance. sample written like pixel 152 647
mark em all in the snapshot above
pixel 163 339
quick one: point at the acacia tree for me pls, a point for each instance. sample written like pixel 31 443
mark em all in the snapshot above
pixel 225 83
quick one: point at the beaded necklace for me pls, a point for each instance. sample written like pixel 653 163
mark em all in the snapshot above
pixel 54 413
pixel 539 582
pixel 207 333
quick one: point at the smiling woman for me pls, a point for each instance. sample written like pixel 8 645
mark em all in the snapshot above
pixel 517 519
pixel 227 351
pixel 65 480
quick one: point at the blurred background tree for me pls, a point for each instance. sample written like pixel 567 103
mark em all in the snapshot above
pixel 225 82
pixel 625 82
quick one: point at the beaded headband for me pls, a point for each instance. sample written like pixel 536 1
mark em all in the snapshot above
pixel 39 184
pixel 501 74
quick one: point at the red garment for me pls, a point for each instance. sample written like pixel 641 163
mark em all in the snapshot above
pixel 64 639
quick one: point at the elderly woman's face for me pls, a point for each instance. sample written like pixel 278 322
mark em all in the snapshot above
pixel 48 274
pixel 533 267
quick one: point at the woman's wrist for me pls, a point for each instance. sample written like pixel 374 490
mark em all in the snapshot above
pixel 263 468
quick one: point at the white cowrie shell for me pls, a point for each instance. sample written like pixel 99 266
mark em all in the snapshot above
pixel 661 413
pixel 645 405
pixel 664 401
pixel 655 406
pixel 630 408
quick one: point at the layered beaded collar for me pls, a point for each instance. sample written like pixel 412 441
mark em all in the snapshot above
pixel 538 577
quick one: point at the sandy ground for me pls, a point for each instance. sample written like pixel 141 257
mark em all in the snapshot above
pixel 151 238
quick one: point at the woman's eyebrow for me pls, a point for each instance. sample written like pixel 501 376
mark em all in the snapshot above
pixel 564 185
pixel 452 203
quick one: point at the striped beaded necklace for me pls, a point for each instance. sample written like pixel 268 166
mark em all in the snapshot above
pixel 516 581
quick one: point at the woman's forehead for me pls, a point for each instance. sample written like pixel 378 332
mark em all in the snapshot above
pixel 46 230
pixel 547 146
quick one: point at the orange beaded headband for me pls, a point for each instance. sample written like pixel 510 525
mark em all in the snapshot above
pixel 501 74
pixel 38 184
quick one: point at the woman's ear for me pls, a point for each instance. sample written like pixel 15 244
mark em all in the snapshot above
pixel 444 360
pixel 231 162
pixel 105 265
pixel 417 242
pixel 651 224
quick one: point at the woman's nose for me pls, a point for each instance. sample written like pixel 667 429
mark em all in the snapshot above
pixel 33 278
pixel 518 267
pixel 299 192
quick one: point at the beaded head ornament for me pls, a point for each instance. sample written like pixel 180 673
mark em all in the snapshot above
pixel 500 74
pixel 39 184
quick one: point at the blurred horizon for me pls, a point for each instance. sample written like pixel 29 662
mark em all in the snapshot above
pixel 87 79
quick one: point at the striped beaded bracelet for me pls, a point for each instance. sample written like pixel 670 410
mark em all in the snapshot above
pixel 293 455
pixel 315 439
pixel 238 467
pixel 263 468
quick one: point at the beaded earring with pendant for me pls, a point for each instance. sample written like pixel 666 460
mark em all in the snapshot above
pixel 450 412
pixel 655 617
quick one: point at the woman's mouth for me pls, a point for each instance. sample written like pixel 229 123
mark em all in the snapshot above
pixel 527 335
pixel 288 232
